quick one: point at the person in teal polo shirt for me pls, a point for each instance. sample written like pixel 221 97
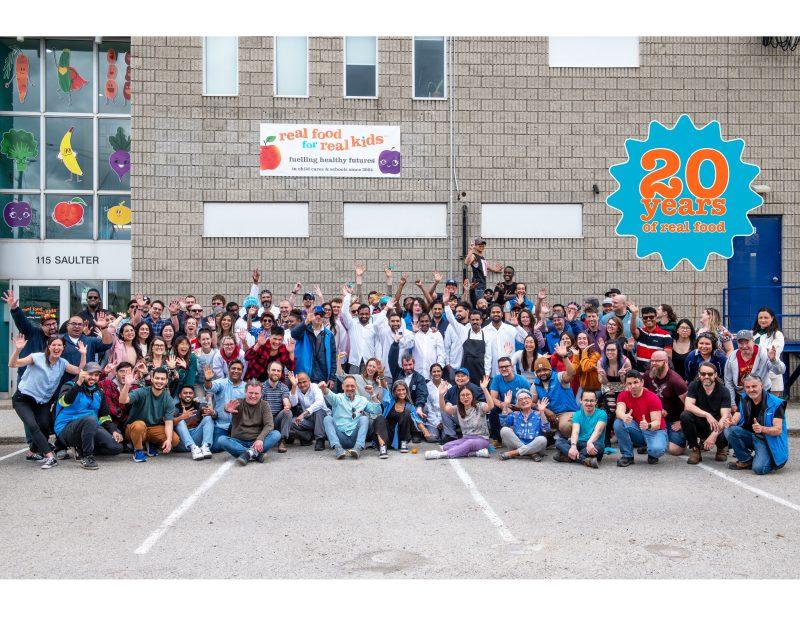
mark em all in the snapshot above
pixel 586 444
pixel 348 423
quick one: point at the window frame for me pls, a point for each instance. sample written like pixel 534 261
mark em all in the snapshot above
pixel 414 72
pixel 344 71
pixel 236 80
pixel 275 71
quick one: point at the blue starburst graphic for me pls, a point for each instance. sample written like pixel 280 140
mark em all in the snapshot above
pixel 675 236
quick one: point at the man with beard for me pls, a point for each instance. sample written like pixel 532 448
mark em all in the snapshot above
pixel 639 422
pixel 149 416
pixel 498 334
pixel 456 334
pixel 360 331
pixel 671 390
pixel 265 351
pixel 391 337
pixel 428 346
pixel 276 394
pixel 223 390
pixel 555 387
pixel 707 414
pixel 194 424
pixel 92 306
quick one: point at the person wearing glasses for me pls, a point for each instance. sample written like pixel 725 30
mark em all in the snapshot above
pixel 348 424
pixel 95 346
pixel 671 390
pixel 504 388
pixel 707 415
pixel 649 338
pixel 92 306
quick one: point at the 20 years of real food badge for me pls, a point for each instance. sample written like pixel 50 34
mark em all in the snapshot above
pixel 684 193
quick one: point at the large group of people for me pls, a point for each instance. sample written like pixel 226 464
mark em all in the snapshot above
pixel 471 369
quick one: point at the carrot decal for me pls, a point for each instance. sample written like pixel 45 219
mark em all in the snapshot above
pixel 17 63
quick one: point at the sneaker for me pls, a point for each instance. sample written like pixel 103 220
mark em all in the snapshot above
pixel 641 450
pixel 404 447
pixel 206 451
pixel 139 456
pixel 484 452
pixel 652 460
pixel 340 453
pixel 245 457
pixel 152 450
pixel 384 452
pixel 63 454
pixel 609 450
pixel 722 454
pixel 258 457
pixel 49 462
pixel 197 454
pixel 434 454
pixel 355 453
pixel 319 444
pixel 591 462
pixel 504 456
pixel 282 446
pixel 734 465
pixel 31 456
pixel 694 457
pixel 537 457
pixel 624 462
pixel 88 463
pixel 560 457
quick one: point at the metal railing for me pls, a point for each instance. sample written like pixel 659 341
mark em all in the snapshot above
pixel 728 314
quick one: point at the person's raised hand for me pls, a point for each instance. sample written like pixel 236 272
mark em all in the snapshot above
pixel 256 276
pixel 290 345
pixel 292 378
pixel 437 276
pixel 542 294
pixel 10 299
pixel 171 361
pixel 232 407
pixel 388 272
pixel 297 287
pixel 20 341
pixel 208 372
pixel 101 321
pixel 359 270
pixel 561 350
pixel 346 289
pixel 81 348
pixel 484 381
pixel 262 338
pixel 541 405
pixel 180 362
pixel 508 348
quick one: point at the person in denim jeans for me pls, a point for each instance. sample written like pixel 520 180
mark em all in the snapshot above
pixel 348 423
pixel 194 423
pixel 252 427
pixel 639 422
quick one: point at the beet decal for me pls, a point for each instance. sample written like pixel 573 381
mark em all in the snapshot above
pixel 17 214
pixel 120 159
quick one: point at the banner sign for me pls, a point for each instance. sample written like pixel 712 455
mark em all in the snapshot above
pixel 684 193
pixel 341 150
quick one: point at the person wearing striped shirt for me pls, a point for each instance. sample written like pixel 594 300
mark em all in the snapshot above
pixel 649 338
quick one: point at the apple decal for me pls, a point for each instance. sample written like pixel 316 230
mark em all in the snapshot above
pixel 17 214
pixel 389 162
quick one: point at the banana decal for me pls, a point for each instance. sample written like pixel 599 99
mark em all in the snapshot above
pixel 68 157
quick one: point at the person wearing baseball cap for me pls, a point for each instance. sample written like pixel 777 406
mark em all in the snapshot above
pixel 749 359
pixel 83 420
pixel 555 387
pixel 480 268
pixel 315 348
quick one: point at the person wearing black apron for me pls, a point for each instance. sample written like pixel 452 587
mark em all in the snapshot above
pixel 473 355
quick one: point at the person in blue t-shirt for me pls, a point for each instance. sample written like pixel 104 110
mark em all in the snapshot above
pixel 504 387
pixel 586 444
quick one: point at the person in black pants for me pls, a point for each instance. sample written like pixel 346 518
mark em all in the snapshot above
pixel 707 413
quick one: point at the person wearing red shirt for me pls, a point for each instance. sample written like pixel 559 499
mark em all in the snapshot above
pixel 649 338
pixel 265 351
pixel 639 422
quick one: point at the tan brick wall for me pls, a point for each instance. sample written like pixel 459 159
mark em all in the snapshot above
pixel 525 132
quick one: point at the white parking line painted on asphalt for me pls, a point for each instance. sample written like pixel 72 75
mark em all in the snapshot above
pixel 755 490
pixel 185 506
pixel 22 450
pixel 502 529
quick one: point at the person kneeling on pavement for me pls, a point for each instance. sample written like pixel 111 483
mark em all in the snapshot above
pixel 150 416
pixel 194 423
pixel 82 419
pixel 586 444
pixel 639 422
pixel 253 430
pixel 707 414
pixel 758 433
pixel 524 429
pixel 348 424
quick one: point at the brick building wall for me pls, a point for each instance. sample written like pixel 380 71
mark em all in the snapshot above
pixel 525 133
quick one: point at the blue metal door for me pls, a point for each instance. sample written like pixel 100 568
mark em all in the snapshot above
pixel 754 273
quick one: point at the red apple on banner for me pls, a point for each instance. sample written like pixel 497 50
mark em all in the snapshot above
pixel 69 214
pixel 269 154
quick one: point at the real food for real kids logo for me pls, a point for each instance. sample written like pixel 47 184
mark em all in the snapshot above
pixel 684 193
pixel 329 150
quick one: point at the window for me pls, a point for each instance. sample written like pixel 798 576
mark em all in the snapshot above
pixel 65 119
pixel 532 220
pixel 361 66
pixel 429 67
pixel 78 290
pixel 221 66
pixel 255 220
pixel 118 297
pixel 291 66
pixel 395 220
pixel 593 51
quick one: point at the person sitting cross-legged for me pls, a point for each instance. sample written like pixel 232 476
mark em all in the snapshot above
pixel 348 424
pixel 194 423
pixel 586 444
pixel 252 427
pixel 639 422
pixel 524 429
pixel 758 433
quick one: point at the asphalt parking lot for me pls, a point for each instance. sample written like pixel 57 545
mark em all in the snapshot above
pixel 305 515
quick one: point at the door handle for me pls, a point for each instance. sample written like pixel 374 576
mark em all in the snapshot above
pixel 775 280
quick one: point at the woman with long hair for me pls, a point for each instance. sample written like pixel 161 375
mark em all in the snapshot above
pixel 168 335
pixel 144 336
pixel 588 356
pixel 527 327
pixel 418 307
pixel 524 359
pixel 559 364
pixel 706 351
pixel 184 363
pixel 229 351
pixel 433 413
pixel 683 342
pixel 471 416
pixel 611 369
pixel 36 388
pixel 711 322
pixel 123 347
pixel 400 413
pixel 190 330
pixel 157 357
pixel 666 318
pixel 225 324
pixel 205 355
pixel 615 331
pixel 767 333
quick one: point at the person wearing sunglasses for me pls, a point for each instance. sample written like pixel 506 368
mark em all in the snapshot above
pixel 707 414
pixel 93 304
pixel 649 338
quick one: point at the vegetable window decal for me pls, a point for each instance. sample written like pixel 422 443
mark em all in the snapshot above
pixel 111 89
pixel 120 159
pixel 15 70
pixel 69 80
pixel 21 147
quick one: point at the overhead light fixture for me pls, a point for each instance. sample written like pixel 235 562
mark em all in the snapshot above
pixel 595 189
